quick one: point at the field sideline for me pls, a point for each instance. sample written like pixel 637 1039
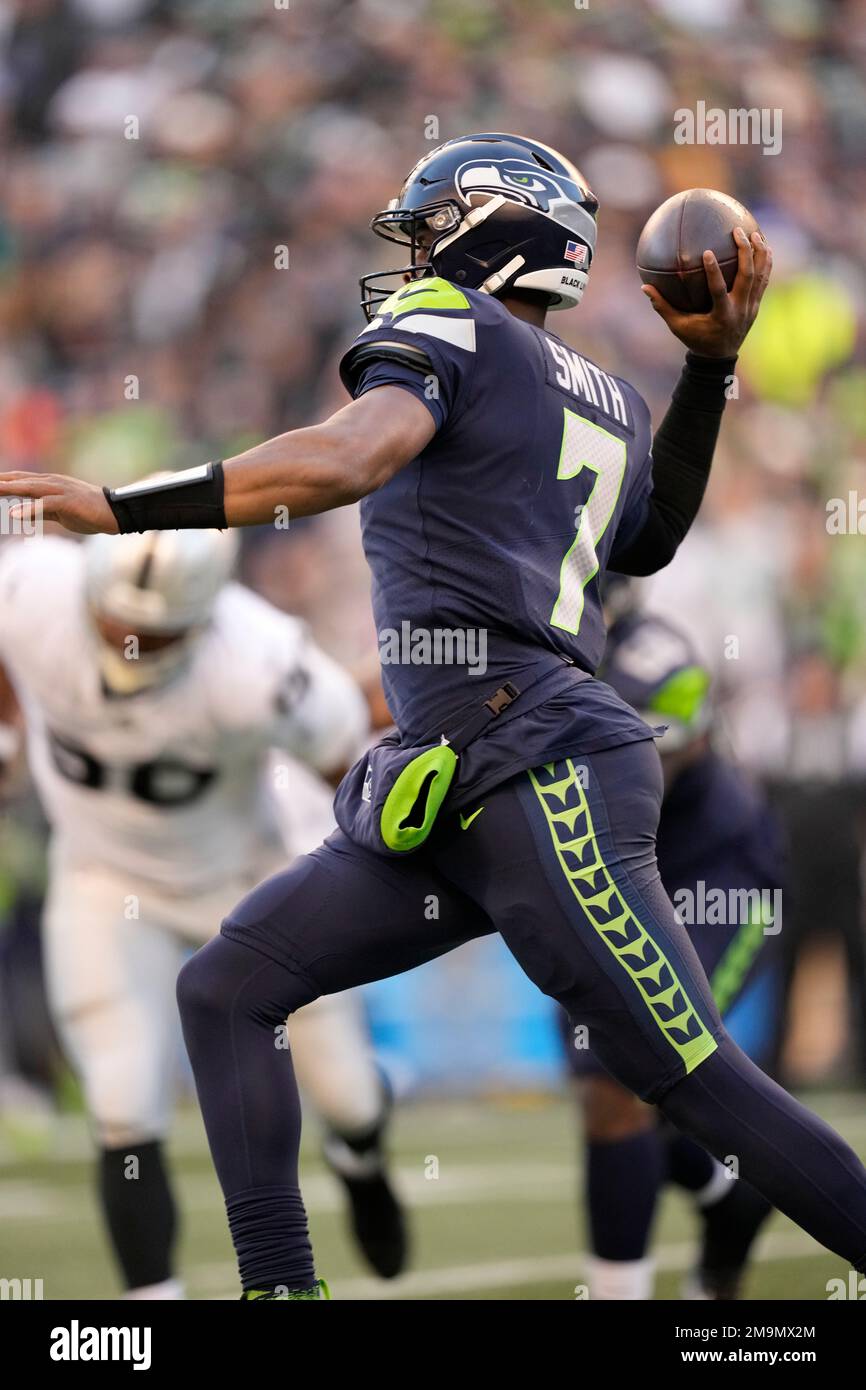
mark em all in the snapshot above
pixel 499 1222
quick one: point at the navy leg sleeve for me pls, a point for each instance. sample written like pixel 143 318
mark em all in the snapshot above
pixel 563 860
pixel 797 1161
pixel 335 919
pixel 233 1006
pixel 623 1181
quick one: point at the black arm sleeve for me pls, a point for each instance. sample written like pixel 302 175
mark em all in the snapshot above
pixel 682 451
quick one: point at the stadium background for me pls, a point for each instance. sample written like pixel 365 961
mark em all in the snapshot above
pixel 159 158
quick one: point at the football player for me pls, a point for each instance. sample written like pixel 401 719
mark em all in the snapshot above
pixel 153 688
pixel 501 472
pixel 720 859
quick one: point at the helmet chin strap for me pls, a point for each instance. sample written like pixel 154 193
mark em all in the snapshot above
pixel 473 219
pixel 495 282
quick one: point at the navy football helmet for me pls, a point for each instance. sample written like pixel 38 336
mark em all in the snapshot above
pixel 495 213
pixel 656 669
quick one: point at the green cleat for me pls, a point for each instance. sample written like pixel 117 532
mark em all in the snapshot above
pixel 319 1290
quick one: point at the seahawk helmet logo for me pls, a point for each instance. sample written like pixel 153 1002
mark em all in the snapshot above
pixel 520 180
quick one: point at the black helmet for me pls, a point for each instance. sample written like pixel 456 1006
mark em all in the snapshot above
pixel 495 213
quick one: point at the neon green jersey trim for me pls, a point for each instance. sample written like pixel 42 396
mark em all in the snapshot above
pixel 425 294
pixel 567 812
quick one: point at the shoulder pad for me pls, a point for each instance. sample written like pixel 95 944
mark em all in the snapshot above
pixel 437 294
pixel 433 308
pixel 436 314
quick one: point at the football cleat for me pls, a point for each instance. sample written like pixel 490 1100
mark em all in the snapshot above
pixel 729 1231
pixel 319 1290
pixel 375 1215
pixel 495 213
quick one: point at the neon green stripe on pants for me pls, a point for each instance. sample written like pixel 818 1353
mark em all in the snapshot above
pixel 566 808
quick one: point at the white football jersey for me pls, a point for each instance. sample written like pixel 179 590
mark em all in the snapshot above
pixel 171 787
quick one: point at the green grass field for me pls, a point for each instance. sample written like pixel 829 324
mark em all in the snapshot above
pixel 500 1221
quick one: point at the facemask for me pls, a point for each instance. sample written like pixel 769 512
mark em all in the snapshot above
pixel 128 676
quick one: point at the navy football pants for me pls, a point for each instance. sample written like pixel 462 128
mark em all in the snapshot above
pixel 560 861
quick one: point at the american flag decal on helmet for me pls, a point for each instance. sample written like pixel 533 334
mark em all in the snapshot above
pixel 575 251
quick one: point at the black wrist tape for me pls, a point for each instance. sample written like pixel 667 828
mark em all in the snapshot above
pixel 189 500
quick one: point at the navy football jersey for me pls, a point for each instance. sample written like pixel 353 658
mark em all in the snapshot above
pixel 540 469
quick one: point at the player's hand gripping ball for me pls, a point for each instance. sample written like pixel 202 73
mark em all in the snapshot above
pixel 705 266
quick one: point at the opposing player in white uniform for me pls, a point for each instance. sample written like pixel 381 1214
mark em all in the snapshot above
pixel 155 693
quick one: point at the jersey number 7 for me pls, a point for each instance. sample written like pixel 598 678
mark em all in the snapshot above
pixel 585 445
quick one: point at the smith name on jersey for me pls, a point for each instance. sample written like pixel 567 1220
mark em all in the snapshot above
pixel 165 786
pixel 452 547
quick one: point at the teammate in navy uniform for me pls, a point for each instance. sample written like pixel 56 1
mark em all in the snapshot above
pixel 501 472
pixel 720 857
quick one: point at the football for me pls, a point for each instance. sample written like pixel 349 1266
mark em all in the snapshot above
pixel 671 246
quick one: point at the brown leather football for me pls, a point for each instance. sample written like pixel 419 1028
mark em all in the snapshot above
pixel 672 244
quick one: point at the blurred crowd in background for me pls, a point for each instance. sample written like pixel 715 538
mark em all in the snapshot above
pixel 161 157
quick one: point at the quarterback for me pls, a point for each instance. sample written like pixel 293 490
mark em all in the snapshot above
pixel 501 473
pixel 178 732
